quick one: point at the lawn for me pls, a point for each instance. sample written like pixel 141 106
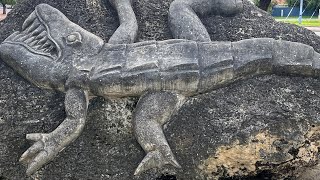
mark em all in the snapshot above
pixel 306 21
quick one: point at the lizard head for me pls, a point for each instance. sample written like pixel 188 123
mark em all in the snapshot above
pixel 49 47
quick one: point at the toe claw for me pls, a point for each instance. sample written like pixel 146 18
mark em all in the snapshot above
pixel 155 159
pixel 174 163
pixel 41 159
pixel 151 160
pixel 31 152
pixel 34 136
pixel 41 152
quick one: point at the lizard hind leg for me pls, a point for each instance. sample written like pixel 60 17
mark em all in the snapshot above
pixel 184 23
pixel 184 15
pixel 127 32
pixel 153 110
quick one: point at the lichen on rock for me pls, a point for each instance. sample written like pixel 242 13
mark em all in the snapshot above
pixel 261 152
pixel 239 159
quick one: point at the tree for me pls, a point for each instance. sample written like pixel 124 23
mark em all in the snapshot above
pixel 309 4
pixel 265 4
pixel 5 3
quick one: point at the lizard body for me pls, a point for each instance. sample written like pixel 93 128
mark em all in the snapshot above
pixel 79 63
pixel 189 68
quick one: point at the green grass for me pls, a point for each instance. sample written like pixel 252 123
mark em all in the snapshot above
pixel 306 21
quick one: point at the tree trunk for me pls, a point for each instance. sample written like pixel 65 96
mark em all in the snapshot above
pixel 264 4
pixel 4 8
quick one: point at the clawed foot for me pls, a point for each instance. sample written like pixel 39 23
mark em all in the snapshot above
pixel 156 159
pixel 41 152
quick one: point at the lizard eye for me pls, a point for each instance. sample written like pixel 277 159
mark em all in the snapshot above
pixel 74 38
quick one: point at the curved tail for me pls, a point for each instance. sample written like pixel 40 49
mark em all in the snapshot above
pixel 295 58
pixel 225 62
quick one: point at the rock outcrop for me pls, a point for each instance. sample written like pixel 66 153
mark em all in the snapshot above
pixel 265 127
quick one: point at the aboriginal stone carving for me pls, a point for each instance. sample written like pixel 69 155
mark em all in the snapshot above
pixel 163 73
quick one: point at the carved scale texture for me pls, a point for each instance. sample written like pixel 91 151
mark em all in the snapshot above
pixel 189 67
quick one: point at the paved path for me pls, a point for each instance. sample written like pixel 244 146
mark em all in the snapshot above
pixel 2 16
pixel 315 30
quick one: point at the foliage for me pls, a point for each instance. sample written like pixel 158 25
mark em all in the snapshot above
pixel 9 2
pixel 309 4
pixel 273 3
pixel 6 2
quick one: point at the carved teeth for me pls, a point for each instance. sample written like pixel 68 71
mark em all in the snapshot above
pixel 37 47
pixel 37 31
pixel 35 35
pixel 42 35
pixel 23 37
pixel 14 35
pixel 34 42
pixel 28 41
pixel 48 49
pixel 33 26
pixel 47 44
pixel 41 41
pixel 18 37
pixel 29 20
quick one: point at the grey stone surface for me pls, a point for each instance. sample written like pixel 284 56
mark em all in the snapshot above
pixel 228 118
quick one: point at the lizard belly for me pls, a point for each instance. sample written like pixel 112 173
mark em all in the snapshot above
pixel 131 70
pixel 222 63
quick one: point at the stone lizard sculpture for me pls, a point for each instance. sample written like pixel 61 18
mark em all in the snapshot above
pixel 54 53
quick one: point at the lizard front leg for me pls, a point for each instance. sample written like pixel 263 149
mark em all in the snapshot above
pixel 153 110
pixel 127 32
pixel 48 145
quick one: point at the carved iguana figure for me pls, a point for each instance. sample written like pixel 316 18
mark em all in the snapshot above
pixel 54 53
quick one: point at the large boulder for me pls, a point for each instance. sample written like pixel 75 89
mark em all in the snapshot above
pixel 266 127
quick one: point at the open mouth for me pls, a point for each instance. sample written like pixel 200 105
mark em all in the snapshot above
pixel 35 37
